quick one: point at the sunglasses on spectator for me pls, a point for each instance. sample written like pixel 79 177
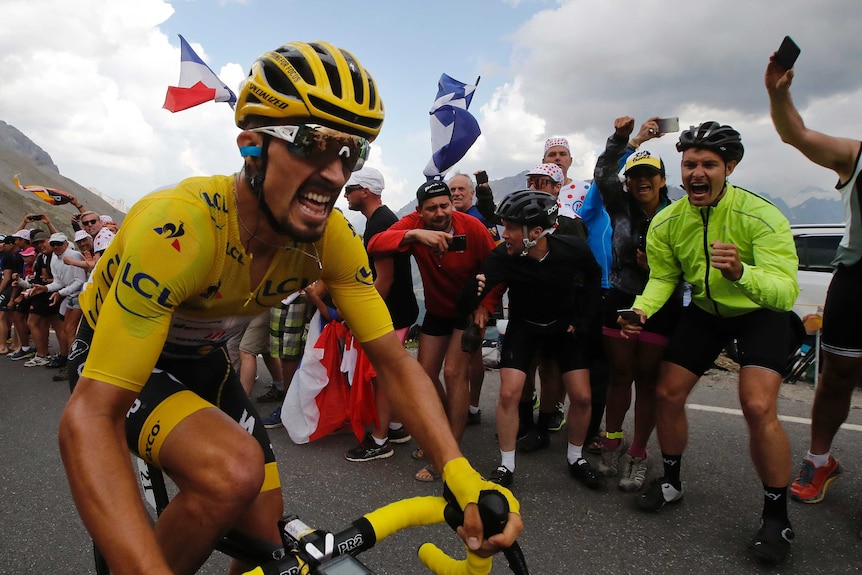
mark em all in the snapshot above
pixel 319 144
pixel 539 181
pixel 56 244
pixel 351 189
pixel 88 222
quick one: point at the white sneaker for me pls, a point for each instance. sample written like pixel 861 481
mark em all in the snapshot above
pixel 37 360
pixel 610 464
pixel 634 472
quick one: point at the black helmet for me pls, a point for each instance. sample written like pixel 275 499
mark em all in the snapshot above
pixel 529 207
pixel 723 140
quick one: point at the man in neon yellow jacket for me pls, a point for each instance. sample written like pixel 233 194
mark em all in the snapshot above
pixel 737 252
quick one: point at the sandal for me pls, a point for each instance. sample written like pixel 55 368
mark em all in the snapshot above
pixel 418 454
pixel 427 474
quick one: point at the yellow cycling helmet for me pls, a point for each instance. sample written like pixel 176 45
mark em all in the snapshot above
pixel 312 81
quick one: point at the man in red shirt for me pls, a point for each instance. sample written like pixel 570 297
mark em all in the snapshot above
pixel 449 247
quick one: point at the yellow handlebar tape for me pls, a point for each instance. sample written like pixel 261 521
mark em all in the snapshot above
pixel 466 484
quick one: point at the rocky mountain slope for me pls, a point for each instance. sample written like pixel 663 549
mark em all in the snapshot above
pixel 20 155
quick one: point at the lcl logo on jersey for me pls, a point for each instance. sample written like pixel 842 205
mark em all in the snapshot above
pixel 216 201
pixel 171 231
pixel 364 276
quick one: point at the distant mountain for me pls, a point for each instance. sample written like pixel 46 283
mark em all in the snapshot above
pixel 20 155
pixel 11 137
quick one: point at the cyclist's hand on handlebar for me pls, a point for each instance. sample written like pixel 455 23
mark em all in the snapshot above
pixel 471 532
pixel 466 485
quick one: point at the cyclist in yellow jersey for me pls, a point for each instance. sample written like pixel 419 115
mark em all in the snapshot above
pixel 191 267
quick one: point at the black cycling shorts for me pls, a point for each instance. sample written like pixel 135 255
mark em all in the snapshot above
pixel 523 341
pixel 843 312
pixel 440 326
pixel 176 389
pixel 764 338
pixel 39 305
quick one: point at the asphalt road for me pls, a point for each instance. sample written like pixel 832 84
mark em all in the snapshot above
pixel 568 528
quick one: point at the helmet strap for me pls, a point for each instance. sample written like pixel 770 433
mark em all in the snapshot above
pixel 530 243
pixel 255 183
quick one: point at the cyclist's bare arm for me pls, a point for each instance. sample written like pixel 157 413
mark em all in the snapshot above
pixel 416 402
pixel 837 154
pixel 103 482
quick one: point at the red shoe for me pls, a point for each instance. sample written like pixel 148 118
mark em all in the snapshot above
pixel 811 484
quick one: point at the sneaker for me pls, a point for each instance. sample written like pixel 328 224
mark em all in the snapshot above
pixel 273 420
pixel 609 466
pixel 558 419
pixel 37 361
pixel 502 476
pixel 534 441
pixel 584 472
pixel 61 375
pixel 368 450
pixel 56 362
pixel 634 473
pixel 772 542
pixel 659 494
pixel 400 435
pixel 474 418
pixel 271 395
pixel 523 431
pixel 811 484
pixel 21 354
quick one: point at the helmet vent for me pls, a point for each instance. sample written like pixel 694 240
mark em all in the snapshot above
pixel 331 69
pixel 356 77
pixel 297 60
pixel 372 93
pixel 277 81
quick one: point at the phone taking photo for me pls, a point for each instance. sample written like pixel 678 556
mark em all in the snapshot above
pixel 787 53
pixel 667 125
pixel 629 316
pixel 481 178
pixel 458 244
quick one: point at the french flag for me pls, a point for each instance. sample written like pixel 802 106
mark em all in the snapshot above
pixel 198 84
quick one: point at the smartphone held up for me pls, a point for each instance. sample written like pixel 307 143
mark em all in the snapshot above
pixel 667 125
pixel 787 53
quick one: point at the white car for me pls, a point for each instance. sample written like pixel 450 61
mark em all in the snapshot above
pixel 815 245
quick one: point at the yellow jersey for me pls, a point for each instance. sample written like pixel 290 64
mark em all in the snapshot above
pixel 175 281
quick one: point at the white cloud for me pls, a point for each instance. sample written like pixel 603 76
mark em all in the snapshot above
pixel 698 61
pixel 90 90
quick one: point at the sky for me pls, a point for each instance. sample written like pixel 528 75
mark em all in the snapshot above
pixel 86 79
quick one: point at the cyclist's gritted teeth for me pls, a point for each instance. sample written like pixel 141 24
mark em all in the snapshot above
pixel 317 204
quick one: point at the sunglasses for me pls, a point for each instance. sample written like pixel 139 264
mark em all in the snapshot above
pixel 319 144
pixel 88 222
pixel 56 244
pixel 539 181
pixel 351 189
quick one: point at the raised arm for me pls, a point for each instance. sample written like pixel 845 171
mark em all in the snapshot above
pixel 837 154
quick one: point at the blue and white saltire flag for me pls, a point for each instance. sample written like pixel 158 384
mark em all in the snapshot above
pixel 453 128
pixel 198 83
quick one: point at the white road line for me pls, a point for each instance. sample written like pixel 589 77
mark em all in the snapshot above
pixel 788 418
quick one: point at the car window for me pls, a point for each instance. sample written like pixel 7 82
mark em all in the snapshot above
pixel 816 252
